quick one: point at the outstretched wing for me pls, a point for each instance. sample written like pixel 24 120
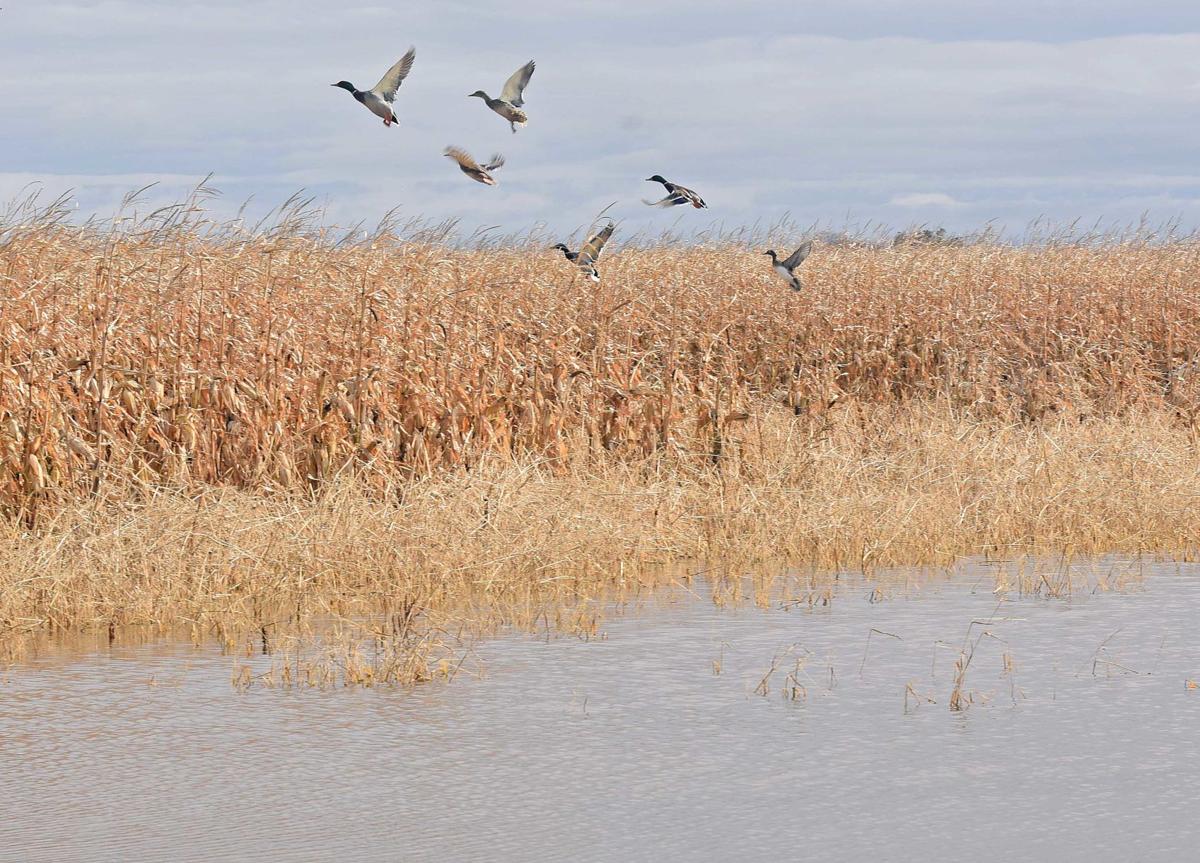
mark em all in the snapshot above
pixel 797 257
pixel 595 244
pixel 464 159
pixel 671 200
pixel 497 161
pixel 390 83
pixel 514 87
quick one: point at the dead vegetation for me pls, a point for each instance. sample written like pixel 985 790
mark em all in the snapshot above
pixel 232 431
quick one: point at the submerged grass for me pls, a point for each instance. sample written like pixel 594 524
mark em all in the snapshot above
pixel 242 434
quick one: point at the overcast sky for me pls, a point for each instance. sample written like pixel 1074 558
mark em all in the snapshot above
pixel 945 112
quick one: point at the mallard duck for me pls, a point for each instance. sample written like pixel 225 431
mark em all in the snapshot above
pixel 511 98
pixel 380 97
pixel 676 195
pixel 786 267
pixel 468 165
pixel 587 256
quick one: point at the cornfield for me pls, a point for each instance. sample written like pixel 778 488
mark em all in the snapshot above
pixel 151 366
pixel 138 356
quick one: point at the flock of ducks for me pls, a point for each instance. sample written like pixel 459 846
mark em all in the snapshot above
pixel 380 99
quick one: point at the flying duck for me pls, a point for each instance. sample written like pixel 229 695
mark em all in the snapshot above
pixel 786 268
pixel 511 98
pixel 380 97
pixel 675 195
pixel 468 165
pixel 587 256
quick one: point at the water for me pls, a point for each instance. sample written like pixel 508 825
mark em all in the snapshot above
pixel 631 748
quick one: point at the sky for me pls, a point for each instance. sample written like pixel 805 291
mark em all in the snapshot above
pixel 849 115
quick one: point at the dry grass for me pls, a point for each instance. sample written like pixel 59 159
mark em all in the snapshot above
pixel 237 433
pixel 439 558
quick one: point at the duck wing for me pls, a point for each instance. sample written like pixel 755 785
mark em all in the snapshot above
pixel 497 161
pixel 595 244
pixel 671 200
pixel 390 82
pixel 465 160
pixel 514 87
pixel 797 257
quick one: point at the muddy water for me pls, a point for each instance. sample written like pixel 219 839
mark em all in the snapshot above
pixel 1080 741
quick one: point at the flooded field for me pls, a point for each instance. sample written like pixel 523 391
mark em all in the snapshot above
pixel 686 731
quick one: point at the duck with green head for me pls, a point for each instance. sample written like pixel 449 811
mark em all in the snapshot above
pixel 512 97
pixel 587 256
pixel 378 100
pixel 786 267
pixel 676 195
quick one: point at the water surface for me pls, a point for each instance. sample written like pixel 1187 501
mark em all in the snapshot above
pixel 1082 741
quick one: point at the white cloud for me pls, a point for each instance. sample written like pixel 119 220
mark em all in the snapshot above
pixel 925 199
pixel 813 115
